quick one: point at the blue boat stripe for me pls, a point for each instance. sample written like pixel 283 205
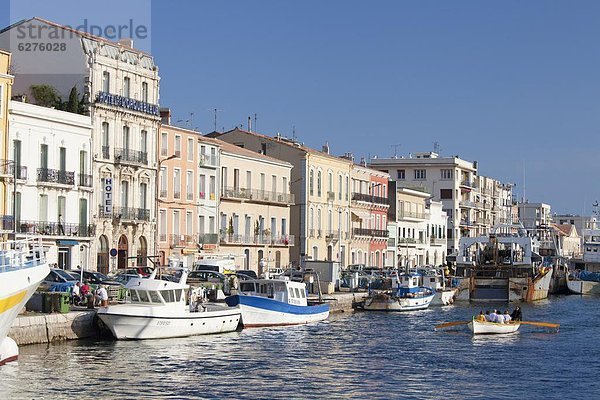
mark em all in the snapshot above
pixel 274 305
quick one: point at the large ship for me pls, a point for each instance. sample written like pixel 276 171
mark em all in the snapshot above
pixel 501 266
pixel 585 279
pixel 22 267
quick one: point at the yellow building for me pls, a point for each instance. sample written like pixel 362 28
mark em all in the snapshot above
pixel 6 81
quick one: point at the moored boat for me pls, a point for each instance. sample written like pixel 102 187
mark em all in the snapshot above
pixel 586 280
pixel 157 309
pixel 22 267
pixel 492 328
pixel 406 295
pixel 276 302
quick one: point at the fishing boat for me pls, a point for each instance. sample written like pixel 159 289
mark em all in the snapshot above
pixel 492 328
pixel 501 266
pixel 159 308
pixel 586 281
pixel 22 267
pixel 444 295
pixel 406 295
pixel 273 302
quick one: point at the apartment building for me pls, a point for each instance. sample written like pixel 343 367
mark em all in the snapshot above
pixel 121 85
pixel 6 163
pixel 450 180
pixel 254 212
pixel 320 183
pixel 53 198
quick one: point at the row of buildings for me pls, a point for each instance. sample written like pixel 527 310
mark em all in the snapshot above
pixel 118 183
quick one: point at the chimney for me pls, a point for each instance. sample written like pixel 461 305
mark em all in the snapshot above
pixel 126 42
pixel 326 148
pixel 249 124
pixel 165 116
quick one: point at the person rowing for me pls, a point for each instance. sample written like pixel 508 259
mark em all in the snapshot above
pixel 507 317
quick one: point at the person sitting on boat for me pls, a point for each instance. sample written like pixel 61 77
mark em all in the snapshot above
pixel 500 318
pixel 507 317
pixel 487 315
pixel 516 315
pixel 480 317
pixel 493 316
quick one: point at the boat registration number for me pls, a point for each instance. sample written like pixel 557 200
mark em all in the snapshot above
pixel 163 323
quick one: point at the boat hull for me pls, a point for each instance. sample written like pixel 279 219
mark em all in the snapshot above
pixel 492 328
pixel 131 322
pixel 387 302
pixel 583 287
pixel 444 297
pixel 260 311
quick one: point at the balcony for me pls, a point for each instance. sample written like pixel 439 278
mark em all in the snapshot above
pixel 208 161
pixel 468 183
pixel 189 195
pixel 163 192
pixel 483 221
pixel 177 240
pixel 7 170
pixel 85 180
pixel 208 238
pixel 276 240
pixel 46 228
pixel 466 222
pixel 373 233
pixel 409 241
pixel 437 241
pixel 370 199
pixel 257 195
pixel 332 236
pixel 177 194
pixel 55 176
pixel 106 152
pixel 467 204
pixel 402 214
pixel 126 214
pixel 130 156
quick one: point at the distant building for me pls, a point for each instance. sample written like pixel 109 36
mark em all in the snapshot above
pixel 6 159
pixel 535 216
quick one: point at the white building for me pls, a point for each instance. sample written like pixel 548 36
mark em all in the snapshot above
pixel 54 183
pixel 121 85
pixel 535 216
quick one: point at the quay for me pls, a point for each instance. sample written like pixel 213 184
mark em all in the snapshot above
pixel 39 328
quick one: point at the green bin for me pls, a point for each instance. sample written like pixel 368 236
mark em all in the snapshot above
pixel 46 302
pixel 65 303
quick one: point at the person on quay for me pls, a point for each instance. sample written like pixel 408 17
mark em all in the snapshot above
pixel 102 296
pixel 84 291
pixel 76 294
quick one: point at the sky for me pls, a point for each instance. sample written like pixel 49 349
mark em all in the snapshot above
pixel 513 85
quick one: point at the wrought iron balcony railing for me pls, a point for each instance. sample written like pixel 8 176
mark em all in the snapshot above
pixel 127 214
pixel 257 195
pixel 131 156
pixel 370 198
pixel 7 168
pixel 46 228
pixel 55 176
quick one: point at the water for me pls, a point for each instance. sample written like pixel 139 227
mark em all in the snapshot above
pixel 361 355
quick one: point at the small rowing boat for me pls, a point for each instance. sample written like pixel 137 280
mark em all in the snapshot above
pixel 492 328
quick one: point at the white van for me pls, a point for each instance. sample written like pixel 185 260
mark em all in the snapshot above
pixel 215 264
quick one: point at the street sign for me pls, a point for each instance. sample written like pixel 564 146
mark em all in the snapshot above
pixel 113 252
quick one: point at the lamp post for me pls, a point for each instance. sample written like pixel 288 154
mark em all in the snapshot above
pixel 156 247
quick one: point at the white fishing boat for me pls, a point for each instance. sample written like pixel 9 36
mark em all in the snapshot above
pixel 444 295
pixel 157 309
pixel 273 302
pixel 406 295
pixel 492 328
pixel 22 267
pixel 501 266
pixel 586 281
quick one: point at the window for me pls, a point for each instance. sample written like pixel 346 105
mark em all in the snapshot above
pixel 1 98
pixel 106 81
pixel 311 182
pixel 144 92
pixel 163 182
pixel 143 196
pixel 105 145
pixel 178 146
pixel 189 225
pixel 176 222
pixel 201 224
pixel 125 138
pixel 401 174
pixel 44 156
pixel 446 174
pixel 330 182
pixel 202 186
pixel 177 183
pixel 446 194
pixel 124 194
pixel 340 187
pixel 319 183
pixel 190 149
pixel 62 159
pixel 189 185
pixel 164 144
pixel 43 208
pixel 347 187
pixel 274 183
pixel 126 87
pixel 144 141
pixel 420 174
pixel 163 225
pixel 212 187
pixel 284 183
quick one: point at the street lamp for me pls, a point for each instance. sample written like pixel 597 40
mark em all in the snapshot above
pixel 172 156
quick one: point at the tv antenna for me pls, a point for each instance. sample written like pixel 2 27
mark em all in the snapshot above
pixel 215 111
pixel 395 147
pixel 437 148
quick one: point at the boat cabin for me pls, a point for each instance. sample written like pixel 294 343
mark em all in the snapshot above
pixel 280 290
pixel 153 297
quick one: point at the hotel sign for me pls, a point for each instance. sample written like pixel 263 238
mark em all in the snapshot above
pixel 126 102
pixel 107 196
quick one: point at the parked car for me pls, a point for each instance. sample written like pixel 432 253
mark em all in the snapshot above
pixel 57 280
pixel 124 278
pixel 94 277
pixel 246 272
pixel 203 276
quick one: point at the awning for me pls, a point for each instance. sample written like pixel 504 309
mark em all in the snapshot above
pixel 358 214
pixel 67 242
pixel 189 250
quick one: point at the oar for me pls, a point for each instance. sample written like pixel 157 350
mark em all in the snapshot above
pixel 544 324
pixel 449 324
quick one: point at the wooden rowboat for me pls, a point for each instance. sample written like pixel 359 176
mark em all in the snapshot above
pixel 492 328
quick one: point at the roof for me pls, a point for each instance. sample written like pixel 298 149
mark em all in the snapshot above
pixel 564 229
pixel 72 30
pixel 232 148
pixel 284 141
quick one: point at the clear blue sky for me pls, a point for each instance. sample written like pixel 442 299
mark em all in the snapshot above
pixel 511 84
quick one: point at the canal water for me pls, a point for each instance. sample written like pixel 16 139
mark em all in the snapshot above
pixel 354 355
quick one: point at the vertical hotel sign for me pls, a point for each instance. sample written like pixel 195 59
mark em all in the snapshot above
pixel 107 197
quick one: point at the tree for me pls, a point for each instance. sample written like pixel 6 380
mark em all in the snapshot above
pixel 73 103
pixel 45 95
pixel 83 104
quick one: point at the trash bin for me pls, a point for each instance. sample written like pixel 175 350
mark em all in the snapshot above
pixel 46 302
pixel 65 303
pixel 55 301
